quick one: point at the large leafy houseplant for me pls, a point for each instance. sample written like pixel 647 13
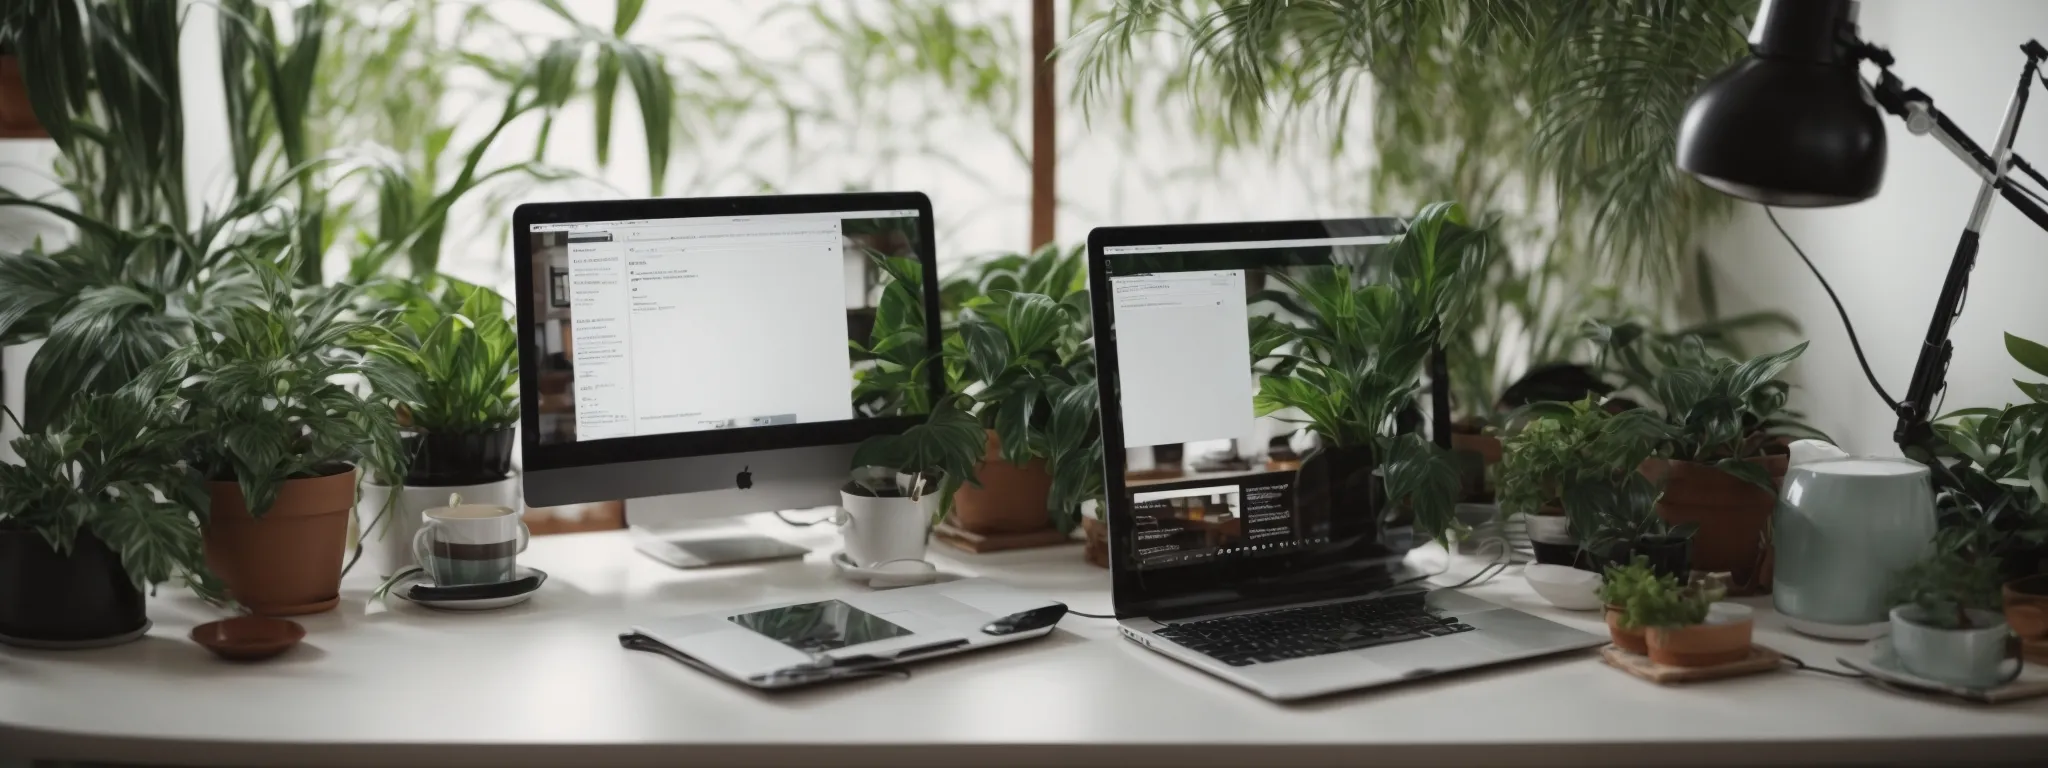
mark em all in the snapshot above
pixel 143 266
pixel 1722 412
pixel 1019 343
pixel 1350 354
pixel 1472 97
pixel 283 431
pixel 1721 458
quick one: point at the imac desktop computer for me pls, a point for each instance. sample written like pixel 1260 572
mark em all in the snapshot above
pixel 708 357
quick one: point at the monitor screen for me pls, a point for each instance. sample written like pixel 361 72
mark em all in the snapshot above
pixel 1216 495
pixel 662 326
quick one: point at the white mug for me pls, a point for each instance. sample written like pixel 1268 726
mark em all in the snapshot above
pixel 470 544
pixel 882 530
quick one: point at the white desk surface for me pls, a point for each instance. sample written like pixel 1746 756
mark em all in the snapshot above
pixel 546 683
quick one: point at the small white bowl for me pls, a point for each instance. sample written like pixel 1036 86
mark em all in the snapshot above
pixel 1565 587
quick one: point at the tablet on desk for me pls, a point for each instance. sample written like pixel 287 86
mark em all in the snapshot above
pixel 785 645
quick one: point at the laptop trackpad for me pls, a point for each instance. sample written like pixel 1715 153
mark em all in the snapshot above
pixel 1441 654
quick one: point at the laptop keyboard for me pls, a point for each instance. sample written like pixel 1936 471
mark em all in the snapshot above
pixel 1298 633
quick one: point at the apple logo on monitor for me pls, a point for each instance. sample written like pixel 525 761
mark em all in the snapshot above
pixel 745 479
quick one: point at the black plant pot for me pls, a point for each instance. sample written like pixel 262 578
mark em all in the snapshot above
pixel 50 598
pixel 1570 555
pixel 1667 556
pixel 460 458
pixel 1338 494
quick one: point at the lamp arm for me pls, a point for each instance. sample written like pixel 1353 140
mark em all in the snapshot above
pixel 1930 371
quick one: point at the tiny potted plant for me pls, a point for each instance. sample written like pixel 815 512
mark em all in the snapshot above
pixel 459 406
pixel 1619 585
pixel 902 485
pixel 1689 626
pixel 1947 627
pixel 99 509
pixel 1617 521
pixel 282 438
pixel 1561 445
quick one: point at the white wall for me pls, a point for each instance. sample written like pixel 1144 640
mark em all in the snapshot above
pixel 1887 257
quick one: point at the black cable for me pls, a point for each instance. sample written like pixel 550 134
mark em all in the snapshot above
pixel 1491 570
pixel 1805 667
pixel 1088 615
pixel 2026 190
pixel 799 523
pixel 1846 324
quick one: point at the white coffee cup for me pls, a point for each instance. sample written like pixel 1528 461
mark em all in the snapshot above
pixel 882 530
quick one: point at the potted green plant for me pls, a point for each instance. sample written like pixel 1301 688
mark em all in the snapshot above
pixel 282 440
pixel 1617 521
pixel 1723 458
pixel 902 485
pixel 1561 445
pixel 459 406
pixel 1947 627
pixel 99 509
pixel 1621 583
pixel 1017 353
pixel 1345 350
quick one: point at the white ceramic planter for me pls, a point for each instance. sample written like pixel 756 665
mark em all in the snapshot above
pixel 388 548
pixel 880 530
pixel 1550 529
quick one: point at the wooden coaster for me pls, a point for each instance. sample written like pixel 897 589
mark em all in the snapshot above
pixel 946 533
pixel 1760 659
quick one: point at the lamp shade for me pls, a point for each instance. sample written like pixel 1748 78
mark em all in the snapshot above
pixel 1788 125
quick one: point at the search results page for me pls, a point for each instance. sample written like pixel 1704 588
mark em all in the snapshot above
pixel 685 325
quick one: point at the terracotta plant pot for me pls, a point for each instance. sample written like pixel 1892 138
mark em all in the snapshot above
pixel 1734 517
pixel 1701 645
pixel 1011 498
pixel 1631 640
pixel 81 599
pixel 2026 611
pixel 287 562
pixel 1097 550
pixel 1667 557
pixel 17 118
pixel 1487 446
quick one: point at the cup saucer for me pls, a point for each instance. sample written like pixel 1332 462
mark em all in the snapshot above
pixel 895 573
pixel 420 590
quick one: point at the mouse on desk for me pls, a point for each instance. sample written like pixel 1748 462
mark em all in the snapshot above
pixel 1036 618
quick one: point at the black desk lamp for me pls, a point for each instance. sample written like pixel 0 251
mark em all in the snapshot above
pixel 1793 125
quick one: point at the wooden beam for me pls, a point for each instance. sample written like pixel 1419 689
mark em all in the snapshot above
pixel 1044 127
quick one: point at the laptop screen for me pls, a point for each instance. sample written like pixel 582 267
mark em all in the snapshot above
pixel 1222 488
